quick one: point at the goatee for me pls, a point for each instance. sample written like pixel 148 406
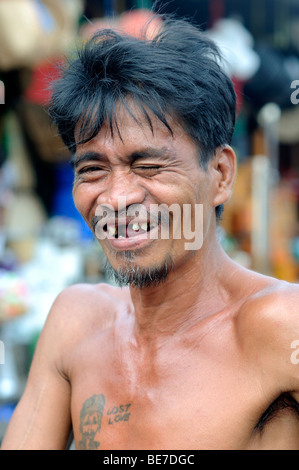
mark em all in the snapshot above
pixel 136 276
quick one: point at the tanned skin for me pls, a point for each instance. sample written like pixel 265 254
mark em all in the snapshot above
pixel 201 361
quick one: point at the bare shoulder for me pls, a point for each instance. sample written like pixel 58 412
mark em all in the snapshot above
pixel 90 296
pixel 88 304
pixel 268 324
pixel 80 311
pixel 275 304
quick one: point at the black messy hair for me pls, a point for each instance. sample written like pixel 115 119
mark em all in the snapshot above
pixel 175 74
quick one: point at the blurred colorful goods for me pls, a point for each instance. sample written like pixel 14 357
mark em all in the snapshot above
pixel 13 296
pixel 33 30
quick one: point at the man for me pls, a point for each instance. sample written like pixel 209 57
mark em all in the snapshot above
pixel 196 353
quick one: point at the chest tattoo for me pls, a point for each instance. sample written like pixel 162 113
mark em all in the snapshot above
pixel 91 417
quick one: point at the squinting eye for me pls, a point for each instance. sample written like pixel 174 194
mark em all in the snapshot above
pixel 88 169
pixel 147 168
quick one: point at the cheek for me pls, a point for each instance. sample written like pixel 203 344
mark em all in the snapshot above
pixel 77 199
pixel 204 190
pixel 84 201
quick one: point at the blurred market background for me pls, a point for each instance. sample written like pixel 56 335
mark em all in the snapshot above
pixel 44 245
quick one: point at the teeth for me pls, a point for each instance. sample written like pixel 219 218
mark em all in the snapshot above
pixel 136 227
pixel 121 236
pixel 144 226
pixel 112 230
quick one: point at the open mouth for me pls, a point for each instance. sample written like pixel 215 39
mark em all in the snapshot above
pixel 123 230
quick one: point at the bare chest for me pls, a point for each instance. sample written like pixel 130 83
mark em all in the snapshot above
pixel 106 424
pixel 199 392
pixel 178 401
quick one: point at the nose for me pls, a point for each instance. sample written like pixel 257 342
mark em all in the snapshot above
pixel 122 191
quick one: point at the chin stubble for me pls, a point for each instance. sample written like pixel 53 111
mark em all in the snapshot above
pixel 136 276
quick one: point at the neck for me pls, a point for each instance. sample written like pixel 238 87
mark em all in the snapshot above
pixel 192 291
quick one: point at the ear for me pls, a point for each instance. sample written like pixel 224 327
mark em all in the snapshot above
pixel 224 170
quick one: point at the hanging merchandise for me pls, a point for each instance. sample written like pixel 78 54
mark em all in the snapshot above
pixel 31 30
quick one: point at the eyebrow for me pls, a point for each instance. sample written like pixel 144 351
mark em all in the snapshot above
pixel 88 156
pixel 163 154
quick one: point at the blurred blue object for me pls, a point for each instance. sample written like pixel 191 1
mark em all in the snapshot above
pixel 63 204
pixel 46 20
pixel 295 248
pixel 6 411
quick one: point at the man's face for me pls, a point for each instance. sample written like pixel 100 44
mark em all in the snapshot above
pixel 121 181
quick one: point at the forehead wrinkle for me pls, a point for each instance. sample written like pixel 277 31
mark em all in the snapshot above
pixel 130 116
pixel 162 154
